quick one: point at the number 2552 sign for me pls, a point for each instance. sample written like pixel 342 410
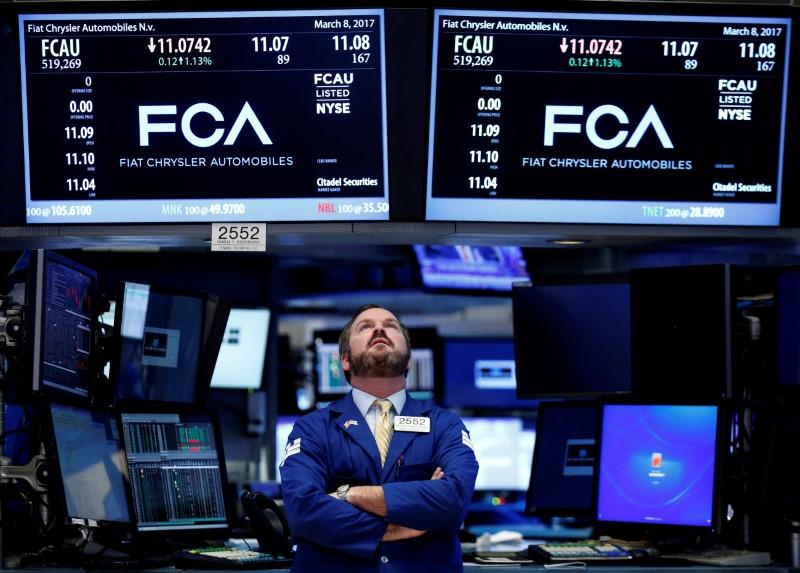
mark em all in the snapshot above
pixel 250 237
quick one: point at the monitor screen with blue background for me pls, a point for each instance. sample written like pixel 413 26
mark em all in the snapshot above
pixel 473 268
pixel 657 465
pixel 481 373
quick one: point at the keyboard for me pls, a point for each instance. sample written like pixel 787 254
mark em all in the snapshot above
pixel 590 550
pixel 725 557
pixel 229 558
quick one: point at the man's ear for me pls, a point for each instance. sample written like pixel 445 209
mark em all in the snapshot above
pixel 345 359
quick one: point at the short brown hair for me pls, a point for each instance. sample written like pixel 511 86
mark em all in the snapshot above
pixel 344 337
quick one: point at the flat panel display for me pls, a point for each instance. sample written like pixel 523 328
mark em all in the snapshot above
pixel 481 373
pixel 64 295
pixel 572 339
pixel 240 364
pixel 90 464
pixel 158 345
pixel 562 474
pixel 504 448
pixel 657 464
pixel 587 117
pixel 176 471
pixel 472 268
pixel 204 116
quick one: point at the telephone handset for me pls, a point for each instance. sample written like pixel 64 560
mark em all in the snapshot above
pixel 268 522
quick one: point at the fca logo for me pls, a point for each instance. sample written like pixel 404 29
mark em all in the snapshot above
pixel 246 115
pixel 650 119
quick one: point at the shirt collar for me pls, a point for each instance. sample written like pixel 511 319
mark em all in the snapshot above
pixel 363 400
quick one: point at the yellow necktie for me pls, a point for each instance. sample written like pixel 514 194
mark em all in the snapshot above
pixel 383 428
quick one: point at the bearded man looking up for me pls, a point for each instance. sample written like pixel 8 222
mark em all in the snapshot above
pixel 377 481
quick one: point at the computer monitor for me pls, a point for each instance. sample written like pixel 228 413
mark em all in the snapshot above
pixel 687 311
pixel 282 430
pixel 481 373
pixel 296 131
pixel 602 112
pixel 176 471
pixel 62 295
pixel 572 339
pixel 658 466
pixel 488 269
pixel 240 364
pixel 564 459
pixel 504 447
pixel 89 465
pixel 158 344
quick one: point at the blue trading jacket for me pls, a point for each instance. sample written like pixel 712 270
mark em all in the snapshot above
pixel 326 449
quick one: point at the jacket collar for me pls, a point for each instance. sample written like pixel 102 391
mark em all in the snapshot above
pixel 349 419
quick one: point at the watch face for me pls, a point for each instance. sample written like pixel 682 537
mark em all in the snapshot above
pixel 341 491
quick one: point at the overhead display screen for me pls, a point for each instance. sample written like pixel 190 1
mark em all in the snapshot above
pixel 607 118
pixel 204 116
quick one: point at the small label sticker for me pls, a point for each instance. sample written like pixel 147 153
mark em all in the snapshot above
pixel 249 237
pixel 412 424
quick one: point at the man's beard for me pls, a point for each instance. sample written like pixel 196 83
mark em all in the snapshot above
pixel 388 364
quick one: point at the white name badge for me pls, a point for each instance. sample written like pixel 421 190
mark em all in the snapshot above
pixel 412 424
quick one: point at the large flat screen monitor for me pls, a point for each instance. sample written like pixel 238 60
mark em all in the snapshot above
pixel 564 459
pixel 658 465
pixel 240 364
pixel 176 470
pixel 481 373
pixel 597 113
pixel 90 465
pixel 504 448
pixel 143 117
pixel 470 268
pixel 572 339
pixel 158 344
pixel 63 294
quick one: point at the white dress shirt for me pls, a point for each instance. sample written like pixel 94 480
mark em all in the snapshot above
pixel 364 402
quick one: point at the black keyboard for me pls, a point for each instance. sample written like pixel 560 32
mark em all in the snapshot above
pixel 590 550
pixel 229 558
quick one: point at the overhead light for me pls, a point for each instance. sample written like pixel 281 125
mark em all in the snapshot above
pixel 568 242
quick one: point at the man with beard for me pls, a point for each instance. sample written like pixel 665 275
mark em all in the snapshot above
pixel 378 481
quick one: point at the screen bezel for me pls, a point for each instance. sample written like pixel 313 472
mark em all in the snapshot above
pixel 658 530
pixel 787 173
pixel 116 528
pixel 200 388
pixel 35 293
pixel 530 509
pixel 223 531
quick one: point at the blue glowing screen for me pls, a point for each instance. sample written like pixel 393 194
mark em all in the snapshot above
pixel 657 464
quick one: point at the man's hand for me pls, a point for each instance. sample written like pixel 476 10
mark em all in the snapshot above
pixel 366 494
pixel 399 533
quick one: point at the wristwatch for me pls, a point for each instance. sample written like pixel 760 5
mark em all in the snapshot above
pixel 341 491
